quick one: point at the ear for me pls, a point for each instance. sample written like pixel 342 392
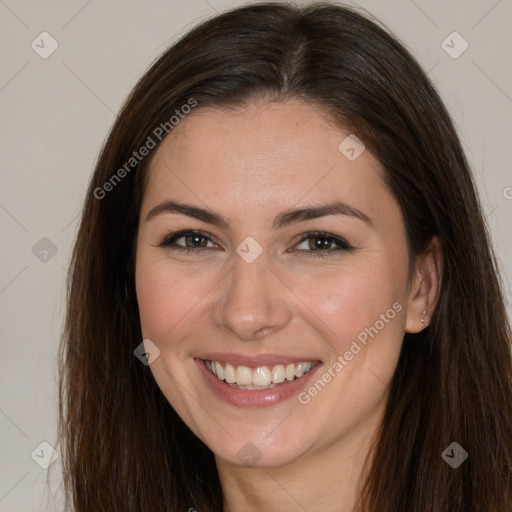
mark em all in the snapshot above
pixel 425 287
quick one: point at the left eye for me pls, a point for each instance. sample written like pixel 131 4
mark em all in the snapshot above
pixel 321 244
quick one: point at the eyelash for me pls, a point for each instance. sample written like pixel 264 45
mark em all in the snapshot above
pixel 170 239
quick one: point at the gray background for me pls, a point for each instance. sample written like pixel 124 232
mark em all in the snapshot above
pixel 55 114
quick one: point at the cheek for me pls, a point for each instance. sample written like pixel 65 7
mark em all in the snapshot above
pixel 361 306
pixel 165 296
pixel 348 303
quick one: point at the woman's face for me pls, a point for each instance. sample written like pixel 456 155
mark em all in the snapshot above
pixel 267 276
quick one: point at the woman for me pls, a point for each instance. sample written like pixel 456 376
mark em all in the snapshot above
pixel 283 295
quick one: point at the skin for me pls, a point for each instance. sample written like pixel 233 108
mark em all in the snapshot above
pixel 249 165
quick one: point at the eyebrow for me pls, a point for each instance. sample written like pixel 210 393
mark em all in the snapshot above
pixel 282 220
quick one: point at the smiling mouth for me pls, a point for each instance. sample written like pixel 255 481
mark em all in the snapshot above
pixel 262 377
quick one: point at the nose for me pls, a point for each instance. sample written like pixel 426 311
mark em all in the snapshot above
pixel 253 301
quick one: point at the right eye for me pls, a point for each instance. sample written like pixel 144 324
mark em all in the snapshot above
pixel 191 241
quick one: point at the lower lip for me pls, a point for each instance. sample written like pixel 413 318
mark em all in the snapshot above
pixel 256 397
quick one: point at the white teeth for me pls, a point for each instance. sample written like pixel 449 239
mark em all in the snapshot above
pixel 290 372
pixel 243 376
pixel 219 371
pixel 262 377
pixel 302 368
pixel 251 386
pixel 278 373
pixel 211 366
pixel 229 374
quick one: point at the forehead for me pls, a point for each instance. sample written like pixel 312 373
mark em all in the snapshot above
pixel 264 155
pixel 262 137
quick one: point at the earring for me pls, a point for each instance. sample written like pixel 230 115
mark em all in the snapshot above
pixel 424 313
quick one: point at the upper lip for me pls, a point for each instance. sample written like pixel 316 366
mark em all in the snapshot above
pixel 254 360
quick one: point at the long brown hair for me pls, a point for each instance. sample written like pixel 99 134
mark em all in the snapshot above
pixel 123 446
